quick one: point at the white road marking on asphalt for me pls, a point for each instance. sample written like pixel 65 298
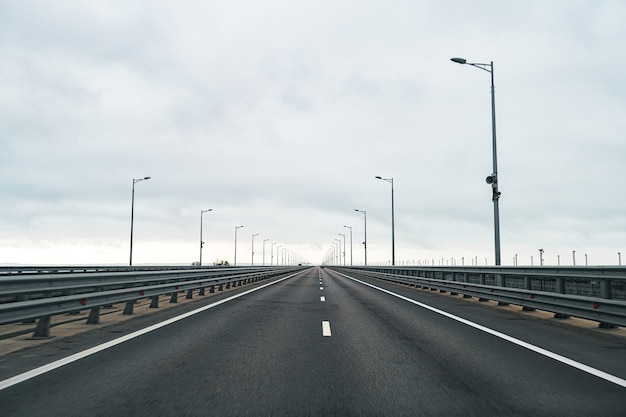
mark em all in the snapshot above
pixel 80 355
pixel 326 328
pixel 581 366
pixel 321 288
pixel 322 298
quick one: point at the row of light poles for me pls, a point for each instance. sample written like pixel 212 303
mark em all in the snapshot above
pixel 491 179
pixel 284 256
pixel 393 228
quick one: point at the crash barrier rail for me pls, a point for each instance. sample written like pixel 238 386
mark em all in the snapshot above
pixel 30 298
pixel 57 269
pixel 593 293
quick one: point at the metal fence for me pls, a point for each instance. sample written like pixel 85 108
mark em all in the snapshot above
pixel 594 293
pixel 31 294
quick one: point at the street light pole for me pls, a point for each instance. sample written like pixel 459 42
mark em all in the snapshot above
pixel 393 227
pixel 201 242
pixel 256 234
pixel 365 232
pixel 338 251
pixel 350 227
pixel 132 216
pixel 236 228
pixel 493 178
pixel 272 254
pixel 264 240
pixel 344 248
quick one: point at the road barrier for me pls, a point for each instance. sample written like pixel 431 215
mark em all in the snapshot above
pixel 593 293
pixel 32 294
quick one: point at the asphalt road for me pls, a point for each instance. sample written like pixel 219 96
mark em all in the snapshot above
pixel 322 344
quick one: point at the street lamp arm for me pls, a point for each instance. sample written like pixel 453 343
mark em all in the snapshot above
pixel 484 67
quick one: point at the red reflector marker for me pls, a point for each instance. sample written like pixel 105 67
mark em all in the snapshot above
pixel 141 292
pixel 596 305
pixel 532 295
pixel 83 301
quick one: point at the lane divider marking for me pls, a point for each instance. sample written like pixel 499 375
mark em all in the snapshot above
pixel 321 288
pixel 88 352
pixel 326 329
pixel 567 361
pixel 322 298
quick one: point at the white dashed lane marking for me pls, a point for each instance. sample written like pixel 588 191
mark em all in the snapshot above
pixel 326 328
pixel 322 298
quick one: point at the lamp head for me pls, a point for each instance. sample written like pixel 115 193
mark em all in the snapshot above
pixel 459 60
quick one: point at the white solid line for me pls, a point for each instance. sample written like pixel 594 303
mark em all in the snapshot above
pixel 322 298
pixel 80 355
pixel 326 328
pixel 581 366
pixel 321 288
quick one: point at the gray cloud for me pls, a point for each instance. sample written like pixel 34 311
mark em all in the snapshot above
pixel 278 116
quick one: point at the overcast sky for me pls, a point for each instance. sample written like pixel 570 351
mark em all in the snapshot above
pixel 279 114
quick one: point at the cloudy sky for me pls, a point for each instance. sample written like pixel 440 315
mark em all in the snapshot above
pixel 279 114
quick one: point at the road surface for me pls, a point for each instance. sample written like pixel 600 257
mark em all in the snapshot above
pixel 322 344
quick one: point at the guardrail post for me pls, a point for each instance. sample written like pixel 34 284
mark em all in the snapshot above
pixel 42 331
pixel 212 289
pixel 94 315
pixel 129 308
pixel 174 298
pixel 154 303
pixel 560 285
pixel 201 292
pixel 189 294
pixel 221 287
pixel 605 288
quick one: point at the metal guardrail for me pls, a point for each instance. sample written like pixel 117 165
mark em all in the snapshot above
pixel 27 297
pixel 64 269
pixel 593 293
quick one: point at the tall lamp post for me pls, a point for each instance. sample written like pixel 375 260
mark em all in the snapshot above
pixel 344 248
pixel 365 232
pixel 272 254
pixel 393 227
pixel 256 234
pixel 236 228
pixel 201 242
pixel 264 240
pixel 338 251
pixel 350 227
pixel 493 178
pixel 132 216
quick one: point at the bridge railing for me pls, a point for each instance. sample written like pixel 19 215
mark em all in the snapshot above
pixel 26 297
pixel 593 293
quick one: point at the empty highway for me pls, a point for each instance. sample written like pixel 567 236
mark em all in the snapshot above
pixel 321 343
